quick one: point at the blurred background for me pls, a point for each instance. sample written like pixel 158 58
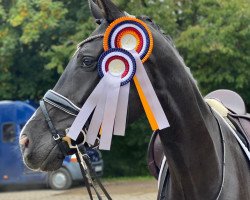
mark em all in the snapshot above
pixel 38 37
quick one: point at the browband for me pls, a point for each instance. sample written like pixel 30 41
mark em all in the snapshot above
pixel 61 102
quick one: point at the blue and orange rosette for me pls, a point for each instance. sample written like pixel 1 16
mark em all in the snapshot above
pixel 131 34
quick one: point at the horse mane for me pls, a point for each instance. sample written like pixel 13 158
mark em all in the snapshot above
pixel 170 41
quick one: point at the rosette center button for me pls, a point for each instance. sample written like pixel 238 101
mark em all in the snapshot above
pixel 117 67
pixel 129 42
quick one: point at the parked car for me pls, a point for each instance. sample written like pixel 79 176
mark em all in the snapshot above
pixel 13 116
pixel 70 171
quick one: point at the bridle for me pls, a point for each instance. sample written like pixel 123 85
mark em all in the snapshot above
pixel 66 146
pixel 62 103
pixel 55 99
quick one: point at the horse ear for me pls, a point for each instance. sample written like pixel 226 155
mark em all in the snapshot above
pixel 110 10
pixel 96 10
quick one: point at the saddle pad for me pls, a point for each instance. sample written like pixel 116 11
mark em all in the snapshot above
pixel 218 106
pixel 236 122
pixel 230 99
pixel 222 111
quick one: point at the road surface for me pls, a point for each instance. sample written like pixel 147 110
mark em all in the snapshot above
pixel 119 190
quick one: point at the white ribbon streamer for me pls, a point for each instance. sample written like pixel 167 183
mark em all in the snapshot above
pixel 121 112
pixel 150 94
pixel 114 84
pixel 96 121
pixel 86 111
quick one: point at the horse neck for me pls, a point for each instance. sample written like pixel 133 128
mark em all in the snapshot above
pixel 192 144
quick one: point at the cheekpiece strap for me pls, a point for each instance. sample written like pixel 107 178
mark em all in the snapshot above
pixel 55 134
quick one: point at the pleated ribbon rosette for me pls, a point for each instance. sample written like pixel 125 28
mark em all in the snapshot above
pixel 128 43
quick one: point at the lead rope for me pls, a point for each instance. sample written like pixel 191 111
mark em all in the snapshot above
pixel 88 172
pixel 84 175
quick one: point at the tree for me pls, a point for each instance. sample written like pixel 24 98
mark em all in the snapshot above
pixel 215 43
pixel 35 36
pixel 25 31
pixel 38 37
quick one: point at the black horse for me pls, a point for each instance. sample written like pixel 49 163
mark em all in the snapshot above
pixel 205 160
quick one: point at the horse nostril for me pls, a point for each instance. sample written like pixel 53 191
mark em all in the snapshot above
pixel 24 141
pixel 27 143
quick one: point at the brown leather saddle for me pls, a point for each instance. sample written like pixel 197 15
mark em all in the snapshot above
pixel 237 115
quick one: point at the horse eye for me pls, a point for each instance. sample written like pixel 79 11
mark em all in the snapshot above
pixel 99 21
pixel 87 62
pixel 149 19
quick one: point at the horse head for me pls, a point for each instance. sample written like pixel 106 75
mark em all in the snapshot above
pixel 77 82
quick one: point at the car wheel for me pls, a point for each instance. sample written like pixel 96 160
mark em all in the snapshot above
pixel 60 179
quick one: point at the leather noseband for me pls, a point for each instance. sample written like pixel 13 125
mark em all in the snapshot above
pixel 62 103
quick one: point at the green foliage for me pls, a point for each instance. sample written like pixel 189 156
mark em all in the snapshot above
pixel 25 31
pixel 60 54
pixel 128 154
pixel 213 36
pixel 35 17
pixel 161 11
pixel 216 45
pixel 38 38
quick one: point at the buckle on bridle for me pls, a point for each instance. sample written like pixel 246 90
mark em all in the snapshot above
pixel 56 137
pixel 69 141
